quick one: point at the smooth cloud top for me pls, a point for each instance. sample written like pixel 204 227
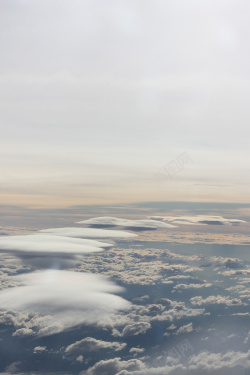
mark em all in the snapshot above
pixel 88 233
pixel 68 298
pixel 114 221
pixel 47 244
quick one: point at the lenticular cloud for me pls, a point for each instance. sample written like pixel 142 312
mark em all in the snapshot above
pixel 198 220
pixel 42 244
pixel 66 298
pixel 88 233
pixel 133 224
pixel 47 251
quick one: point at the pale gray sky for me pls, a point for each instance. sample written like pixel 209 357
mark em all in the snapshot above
pixel 97 96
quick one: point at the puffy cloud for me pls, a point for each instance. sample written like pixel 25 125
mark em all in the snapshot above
pixel 185 329
pixel 23 332
pixel 136 350
pixel 92 344
pixel 192 286
pixel 132 224
pixel 198 220
pixel 214 300
pixel 206 363
pixel 69 298
pixel 39 349
pixel 114 366
pixel 179 311
pixel 133 329
pixel 213 363
pixel 244 272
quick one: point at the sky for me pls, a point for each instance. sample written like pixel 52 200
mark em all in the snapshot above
pixel 97 98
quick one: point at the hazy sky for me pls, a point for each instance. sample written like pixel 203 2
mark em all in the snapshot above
pixel 97 96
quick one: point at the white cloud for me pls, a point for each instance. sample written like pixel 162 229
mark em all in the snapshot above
pixel 185 329
pixel 214 300
pixel 133 329
pixel 114 366
pixel 40 349
pixel 192 286
pixel 23 332
pixel 136 350
pixel 205 363
pixel 49 245
pixel 69 298
pixel 88 233
pixel 45 250
pixel 135 224
pixel 92 344
pixel 198 220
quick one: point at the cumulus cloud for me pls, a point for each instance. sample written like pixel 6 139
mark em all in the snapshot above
pixel 114 366
pixel 185 329
pixel 88 233
pixel 192 286
pixel 136 350
pixel 214 300
pixel 39 349
pixel 68 298
pixel 23 332
pixel 206 363
pixel 198 220
pixel 133 329
pixel 106 221
pixel 92 344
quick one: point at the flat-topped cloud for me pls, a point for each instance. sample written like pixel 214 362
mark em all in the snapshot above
pixel 88 233
pixel 198 220
pixel 48 251
pixel 66 298
pixel 48 244
pixel 107 221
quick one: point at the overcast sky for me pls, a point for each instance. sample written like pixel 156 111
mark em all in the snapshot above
pixel 97 96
